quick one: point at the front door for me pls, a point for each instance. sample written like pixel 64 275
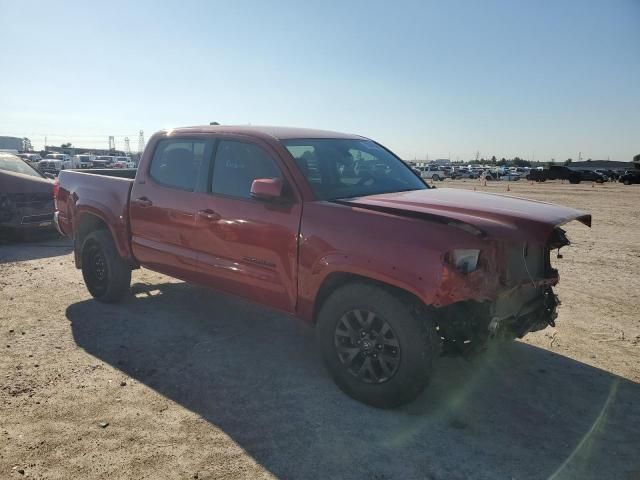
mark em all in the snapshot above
pixel 247 246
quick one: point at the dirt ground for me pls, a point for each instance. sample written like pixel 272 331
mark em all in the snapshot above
pixel 181 382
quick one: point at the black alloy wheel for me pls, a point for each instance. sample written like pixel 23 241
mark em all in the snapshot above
pixel 367 346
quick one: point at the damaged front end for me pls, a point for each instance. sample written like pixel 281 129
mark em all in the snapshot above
pixel 508 295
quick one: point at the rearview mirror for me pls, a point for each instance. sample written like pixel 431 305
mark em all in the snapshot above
pixel 266 188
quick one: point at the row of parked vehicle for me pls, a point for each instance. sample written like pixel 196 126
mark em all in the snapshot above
pixel 556 172
pixel 575 175
pixel 55 162
pixel 440 172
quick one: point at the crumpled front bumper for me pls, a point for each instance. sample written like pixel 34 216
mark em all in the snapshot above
pixel 534 314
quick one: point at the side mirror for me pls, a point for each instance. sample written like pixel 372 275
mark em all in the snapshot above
pixel 50 176
pixel 266 188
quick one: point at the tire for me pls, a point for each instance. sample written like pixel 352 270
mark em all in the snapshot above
pixel 355 356
pixel 626 182
pixel 435 177
pixel 574 180
pixel 105 273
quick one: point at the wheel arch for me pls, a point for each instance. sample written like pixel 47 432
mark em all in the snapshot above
pixel 339 279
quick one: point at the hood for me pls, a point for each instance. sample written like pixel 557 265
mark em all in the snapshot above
pixel 17 183
pixel 484 214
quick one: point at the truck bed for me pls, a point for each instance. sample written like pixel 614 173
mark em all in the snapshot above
pixel 103 193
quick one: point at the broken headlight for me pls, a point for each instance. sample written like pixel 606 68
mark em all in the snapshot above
pixel 464 259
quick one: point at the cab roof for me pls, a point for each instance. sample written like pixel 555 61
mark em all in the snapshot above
pixel 278 133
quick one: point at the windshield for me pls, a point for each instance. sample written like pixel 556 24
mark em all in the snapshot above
pixel 343 168
pixel 14 164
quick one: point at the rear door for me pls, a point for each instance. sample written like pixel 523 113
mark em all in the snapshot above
pixel 247 246
pixel 162 213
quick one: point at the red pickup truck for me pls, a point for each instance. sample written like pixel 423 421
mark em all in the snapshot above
pixel 332 228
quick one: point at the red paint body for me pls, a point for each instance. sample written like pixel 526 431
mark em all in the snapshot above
pixel 280 254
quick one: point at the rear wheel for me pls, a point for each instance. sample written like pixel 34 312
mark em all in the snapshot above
pixel 627 182
pixel 435 177
pixel 376 348
pixel 105 273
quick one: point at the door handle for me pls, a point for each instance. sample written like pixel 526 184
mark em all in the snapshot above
pixel 142 202
pixel 209 215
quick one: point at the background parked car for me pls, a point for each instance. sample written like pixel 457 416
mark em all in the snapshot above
pixel 104 161
pixel 433 172
pixel 26 195
pixel 54 163
pixel 123 164
pixel 464 172
pixel 592 176
pixel 84 160
pixel 629 177
pixel 31 158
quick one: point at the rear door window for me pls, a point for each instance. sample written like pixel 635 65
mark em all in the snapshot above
pixel 178 163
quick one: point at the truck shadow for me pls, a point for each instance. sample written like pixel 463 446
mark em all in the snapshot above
pixel 515 412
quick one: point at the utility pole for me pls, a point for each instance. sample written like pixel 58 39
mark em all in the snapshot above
pixel 141 142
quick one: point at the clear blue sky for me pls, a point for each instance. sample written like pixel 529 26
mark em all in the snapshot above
pixel 543 78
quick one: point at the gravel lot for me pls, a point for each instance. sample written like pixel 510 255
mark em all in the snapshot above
pixel 181 382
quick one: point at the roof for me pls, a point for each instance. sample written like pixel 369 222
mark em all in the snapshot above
pixel 279 133
pixel 591 164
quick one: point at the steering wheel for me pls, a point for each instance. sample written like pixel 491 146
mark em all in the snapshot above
pixel 366 176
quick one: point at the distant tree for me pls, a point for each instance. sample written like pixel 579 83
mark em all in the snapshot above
pixel 493 159
pixel 567 162
pixel 519 162
pixel 589 160
pixel 502 161
pixel 214 123
pixel 66 145
pixel 26 144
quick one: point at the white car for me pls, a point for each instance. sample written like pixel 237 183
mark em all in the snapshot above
pixel 83 160
pixel 54 162
pixel 31 158
pixel 124 162
pixel 434 172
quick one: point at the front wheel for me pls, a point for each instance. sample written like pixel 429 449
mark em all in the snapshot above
pixel 105 273
pixel 376 348
pixel 435 177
